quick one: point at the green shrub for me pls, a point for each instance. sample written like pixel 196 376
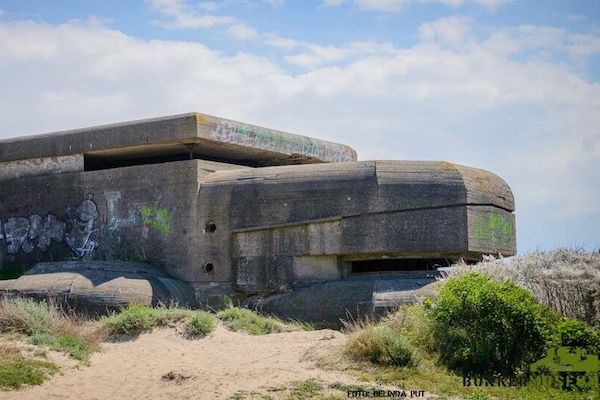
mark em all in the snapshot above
pixel 244 320
pixel 201 324
pixel 382 344
pixel 572 332
pixel 485 327
pixel 28 316
pixel 17 371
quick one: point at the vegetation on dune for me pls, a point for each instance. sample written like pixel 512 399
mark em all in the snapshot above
pixel 384 345
pixel 566 280
pixel 245 320
pixel 47 325
pixel 137 318
pixel 479 324
pixel 17 371
pixel 201 324
pixel 68 343
pixel 28 317
pixel 491 319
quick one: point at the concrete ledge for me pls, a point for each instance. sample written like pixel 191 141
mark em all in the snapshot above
pixel 204 135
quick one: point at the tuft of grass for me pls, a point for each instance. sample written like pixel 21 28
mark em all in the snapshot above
pixel 27 316
pixel 201 324
pixel 382 344
pixel 75 346
pixel 17 371
pixel 306 389
pixel 245 320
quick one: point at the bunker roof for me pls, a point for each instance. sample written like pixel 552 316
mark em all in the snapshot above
pixel 192 135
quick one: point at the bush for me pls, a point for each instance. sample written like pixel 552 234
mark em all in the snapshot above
pixel 201 324
pixel 566 280
pixel 485 327
pixel 382 344
pixel 244 320
pixel 575 333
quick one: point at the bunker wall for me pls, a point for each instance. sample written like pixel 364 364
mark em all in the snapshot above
pixel 141 213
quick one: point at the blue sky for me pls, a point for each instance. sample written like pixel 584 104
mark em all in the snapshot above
pixel 508 86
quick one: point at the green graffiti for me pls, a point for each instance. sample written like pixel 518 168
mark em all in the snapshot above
pixel 276 139
pixel 157 218
pixel 494 227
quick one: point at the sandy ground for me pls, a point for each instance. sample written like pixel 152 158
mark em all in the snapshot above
pixel 215 367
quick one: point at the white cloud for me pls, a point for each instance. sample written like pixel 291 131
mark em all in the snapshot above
pixel 393 6
pixel 451 30
pixel 274 3
pixel 184 16
pixel 242 31
pixel 281 42
pixel 332 3
pixel 531 120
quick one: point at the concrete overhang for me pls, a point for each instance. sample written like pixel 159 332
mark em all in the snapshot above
pixel 192 135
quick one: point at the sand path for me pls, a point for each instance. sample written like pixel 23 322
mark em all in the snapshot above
pixel 217 367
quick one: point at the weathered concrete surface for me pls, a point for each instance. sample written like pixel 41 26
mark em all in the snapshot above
pixel 100 286
pixel 340 212
pixel 326 304
pixel 195 196
pixel 41 166
pixel 209 137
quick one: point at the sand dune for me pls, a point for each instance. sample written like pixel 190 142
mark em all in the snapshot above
pixel 165 365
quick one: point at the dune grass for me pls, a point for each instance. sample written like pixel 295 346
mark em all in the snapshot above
pixel 45 324
pixel 73 345
pixel 136 319
pixel 245 320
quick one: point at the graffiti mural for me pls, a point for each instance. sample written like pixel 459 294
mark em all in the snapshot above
pixel 80 233
pixel 83 236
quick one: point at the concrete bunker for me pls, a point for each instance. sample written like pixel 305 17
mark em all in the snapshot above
pixel 293 225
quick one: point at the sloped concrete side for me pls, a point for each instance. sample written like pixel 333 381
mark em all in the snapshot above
pixel 98 287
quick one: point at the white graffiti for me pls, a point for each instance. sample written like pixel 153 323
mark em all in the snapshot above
pixel 83 236
pixel 27 233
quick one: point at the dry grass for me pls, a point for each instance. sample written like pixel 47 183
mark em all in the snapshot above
pixel 46 324
pixel 567 280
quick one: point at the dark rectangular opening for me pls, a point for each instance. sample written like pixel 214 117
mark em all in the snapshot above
pixel 398 265
pixel 93 162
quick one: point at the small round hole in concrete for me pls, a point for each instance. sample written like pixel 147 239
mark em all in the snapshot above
pixel 209 267
pixel 210 227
